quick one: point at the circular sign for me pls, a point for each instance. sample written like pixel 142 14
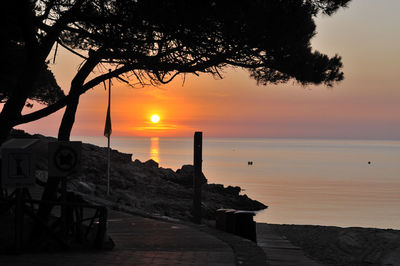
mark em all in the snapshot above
pixel 65 158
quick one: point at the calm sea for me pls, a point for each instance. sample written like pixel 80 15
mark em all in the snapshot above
pixel 325 182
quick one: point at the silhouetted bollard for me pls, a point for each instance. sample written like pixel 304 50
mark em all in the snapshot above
pixel 197 161
pixel 230 221
pixel 236 222
pixel 220 219
pixel 224 219
pixel 244 225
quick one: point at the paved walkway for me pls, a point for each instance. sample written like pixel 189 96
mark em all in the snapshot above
pixel 147 241
pixel 140 241
pixel 152 242
pixel 279 251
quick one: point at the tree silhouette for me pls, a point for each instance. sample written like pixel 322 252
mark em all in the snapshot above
pixel 153 41
pixel 45 90
pixel 25 75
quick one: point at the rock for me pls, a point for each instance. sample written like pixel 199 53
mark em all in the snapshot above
pixel 137 163
pixel 218 188
pixel 215 188
pixel 390 236
pixel 185 176
pixel 233 190
pixel 151 163
pixel 349 241
pixel 345 246
pixel 393 258
pixel 18 133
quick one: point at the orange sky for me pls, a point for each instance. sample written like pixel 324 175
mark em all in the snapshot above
pixel 364 105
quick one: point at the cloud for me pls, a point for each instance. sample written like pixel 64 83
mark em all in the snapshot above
pixel 158 127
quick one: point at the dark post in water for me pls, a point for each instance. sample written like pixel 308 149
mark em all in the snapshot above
pixel 197 161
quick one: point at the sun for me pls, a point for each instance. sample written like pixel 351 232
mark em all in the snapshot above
pixel 155 119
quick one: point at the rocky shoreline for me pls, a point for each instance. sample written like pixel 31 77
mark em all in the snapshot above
pixel 142 187
pixel 337 246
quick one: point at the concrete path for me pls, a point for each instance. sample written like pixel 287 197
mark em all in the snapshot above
pixel 145 241
pixel 140 241
pixel 279 251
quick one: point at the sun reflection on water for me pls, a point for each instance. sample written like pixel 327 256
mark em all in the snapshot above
pixel 154 149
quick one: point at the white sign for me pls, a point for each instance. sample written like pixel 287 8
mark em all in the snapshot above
pixel 17 168
pixel 64 158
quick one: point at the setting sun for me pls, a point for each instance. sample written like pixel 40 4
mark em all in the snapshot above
pixel 155 118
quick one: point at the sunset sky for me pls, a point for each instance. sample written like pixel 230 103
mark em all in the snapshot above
pixel 364 106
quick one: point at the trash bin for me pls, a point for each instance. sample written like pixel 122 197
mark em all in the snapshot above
pixel 230 221
pixel 244 225
pixel 225 220
pixel 220 219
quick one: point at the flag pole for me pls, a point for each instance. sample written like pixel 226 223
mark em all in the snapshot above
pixel 107 132
pixel 108 166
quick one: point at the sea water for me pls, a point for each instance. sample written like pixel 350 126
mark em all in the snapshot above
pixel 324 182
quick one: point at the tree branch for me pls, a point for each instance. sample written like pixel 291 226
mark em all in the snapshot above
pixel 55 30
pixel 69 98
pixel 71 50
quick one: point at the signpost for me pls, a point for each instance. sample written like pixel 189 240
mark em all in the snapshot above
pixel 64 160
pixel 18 172
pixel 17 163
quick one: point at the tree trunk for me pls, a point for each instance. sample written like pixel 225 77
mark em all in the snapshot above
pixel 13 107
pixel 64 133
pixel 34 62
pixel 11 111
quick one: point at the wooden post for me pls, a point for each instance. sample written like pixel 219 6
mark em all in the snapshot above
pixel 102 229
pixel 19 220
pixel 197 180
